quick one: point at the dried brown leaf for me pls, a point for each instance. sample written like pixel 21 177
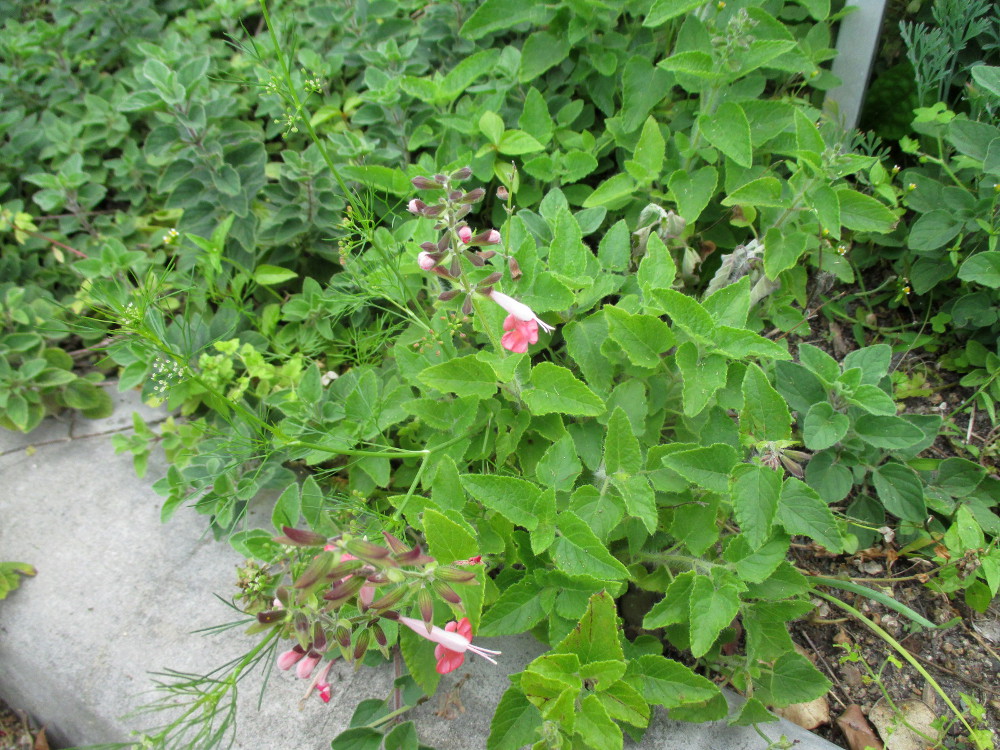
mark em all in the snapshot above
pixel 857 731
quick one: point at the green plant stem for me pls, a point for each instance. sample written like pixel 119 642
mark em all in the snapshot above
pixel 881 598
pixel 898 647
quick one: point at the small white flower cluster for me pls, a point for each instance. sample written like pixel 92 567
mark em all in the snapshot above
pixel 131 315
pixel 165 373
pixel 171 236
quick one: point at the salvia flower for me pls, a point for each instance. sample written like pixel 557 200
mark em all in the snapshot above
pixel 521 325
pixel 288 659
pixel 426 261
pixel 416 206
pixel 453 640
pixel 465 234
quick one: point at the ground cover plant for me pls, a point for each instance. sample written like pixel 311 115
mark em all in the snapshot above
pixel 497 309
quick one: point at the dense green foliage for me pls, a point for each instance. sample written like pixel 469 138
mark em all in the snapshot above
pixel 209 202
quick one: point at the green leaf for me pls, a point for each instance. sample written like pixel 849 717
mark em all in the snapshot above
pixel 499 15
pixel 447 541
pixel 640 500
pixel 286 509
pixel 578 551
pixel 873 361
pixel 819 363
pixel 556 390
pixel 515 722
pixel 559 467
pixel 663 10
pixel 463 376
pixel 513 498
pixel 933 230
pixel 595 727
pixel 687 314
pixel 614 251
pixel 706 466
pixel 643 87
pixel 750 713
pixel 535 118
pixel 567 250
pixel 268 275
pixel 673 608
pixel 692 191
pixel 765 414
pixel 802 511
pixel 624 703
pixel 517 142
pixel 693 63
pixel 782 250
pixel 467 72
pixel 890 433
pixel 491 125
pixel 358 738
pixel 824 427
pixel 402 737
pixel 901 491
pixel 614 192
pixel 702 376
pixel 959 477
pixel 596 637
pixel 729 131
pixel 738 343
pixel 583 342
pixel 541 51
pixel 418 653
pixel 987 76
pixel 764 191
pixel 872 399
pixel 823 200
pixel 621 447
pixel 982 268
pixel 972 138
pixel 657 269
pixel 647 159
pixel 755 491
pixel 519 608
pixel 643 338
pixel 712 609
pixel 862 213
pixel 667 683
pixel 796 680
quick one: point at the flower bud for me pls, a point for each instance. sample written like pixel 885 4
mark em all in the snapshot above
pixel 366 551
pixel 317 569
pixel 394 543
pixel 300 537
pixel 423 183
pixel 391 599
pixel 453 575
pixel 515 268
pixel 474 196
pixel 416 206
pixel 271 617
pixel 426 261
pixel 343 569
pixel 446 592
pixel 426 606
pixel 486 254
pixel 465 234
pixel 432 211
pixel 462 212
pixel 361 645
pixel 319 638
pixel 343 591
pixel 378 634
pixel 449 295
pixel 475 259
pixel 440 179
pixel 455 195
pixel 342 634
pixel 502 193
pixel 462 174
pixel 413 556
pixel 467 306
pixel 493 278
pixel 429 247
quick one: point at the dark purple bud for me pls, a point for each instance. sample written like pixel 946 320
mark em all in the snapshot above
pixel 486 254
pixel 300 537
pixel 343 569
pixel 449 295
pixel 463 212
pixel 282 595
pixel 515 268
pixel 423 183
pixel 440 179
pixel 493 278
pixel 793 468
pixel 343 636
pixel 456 268
pixel 429 247
pixel 414 556
pixel 474 196
pixel 426 606
pixel 378 634
pixel 361 645
pixel 462 174
pixel 343 591
pixel 319 638
pixel 272 616
pixel 301 624
pixel 432 211
pixel 317 568
pixel 467 306
pixel 475 260
pixel 455 195
pixel 442 244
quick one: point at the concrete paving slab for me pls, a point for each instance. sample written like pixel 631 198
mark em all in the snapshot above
pixel 118 596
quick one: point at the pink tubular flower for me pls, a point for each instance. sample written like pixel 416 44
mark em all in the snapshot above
pixel 288 659
pixel 476 560
pixel 521 325
pixel 416 206
pixel 307 665
pixel 465 234
pixel 453 641
pixel 321 684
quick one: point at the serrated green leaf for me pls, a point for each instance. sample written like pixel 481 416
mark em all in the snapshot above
pixel 890 433
pixel 663 10
pixel 511 497
pixel 621 447
pixel 702 376
pixel 755 491
pixel 556 390
pixel 796 680
pixel 447 541
pixel 712 609
pixel 707 466
pixel 518 609
pixel 614 192
pixel 687 314
pixel 802 511
pixel 643 338
pixel 541 51
pixel 464 376
pixel 667 683
pixel 515 722
pixel 692 191
pixel 824 426
pixel 901 491
pixel 596 636
pixel 982 268
pixel 595 727
pixel 764 191
pixel 578 551
pixel 765 414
